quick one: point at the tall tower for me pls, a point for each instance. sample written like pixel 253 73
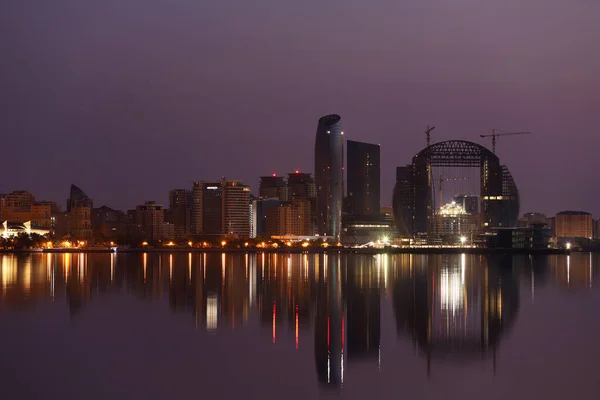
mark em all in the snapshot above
pixel 363 178
pixel 329 175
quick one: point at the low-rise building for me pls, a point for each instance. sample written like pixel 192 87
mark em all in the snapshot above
pixel 574 224
pixel 535 236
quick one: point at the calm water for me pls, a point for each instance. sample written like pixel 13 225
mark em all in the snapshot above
pixel 301 326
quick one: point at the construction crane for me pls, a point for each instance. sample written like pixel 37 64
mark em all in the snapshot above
pixel 428 134
pixel 495 134
pixel 442 180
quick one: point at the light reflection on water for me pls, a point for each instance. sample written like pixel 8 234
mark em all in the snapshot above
pixel 340 313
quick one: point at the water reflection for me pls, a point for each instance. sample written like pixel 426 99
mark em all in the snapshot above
pixel 455 308
pixel 452 308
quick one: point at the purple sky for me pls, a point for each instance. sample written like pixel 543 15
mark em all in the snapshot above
pixel 131 98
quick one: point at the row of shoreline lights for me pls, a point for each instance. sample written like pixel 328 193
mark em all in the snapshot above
pixel 246 244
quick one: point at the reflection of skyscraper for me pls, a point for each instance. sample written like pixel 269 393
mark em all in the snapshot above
pixel 330 324
pixel 329 175
pixel 363 308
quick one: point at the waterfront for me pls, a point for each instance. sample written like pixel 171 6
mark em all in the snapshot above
pixel 154 326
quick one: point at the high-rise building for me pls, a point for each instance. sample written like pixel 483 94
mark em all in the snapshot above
pixel 363 178
pixel 453 221
pixel 151 218
pixel 289 218
pixel 237 209
pixel 79 208
pixel 108 223
pixel 403 200
pixel 180 211
pixel 574 224
pixel 221 208
pixel 260 208
pixel 301 186
pixel 273 186
pixel 329 175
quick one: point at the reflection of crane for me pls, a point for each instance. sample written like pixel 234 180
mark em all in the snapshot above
pixel 442 179
pixel 495 134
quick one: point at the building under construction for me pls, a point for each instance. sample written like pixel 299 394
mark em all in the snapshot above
pixel 415 209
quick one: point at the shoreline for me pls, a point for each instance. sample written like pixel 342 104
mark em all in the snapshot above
pixel 482 251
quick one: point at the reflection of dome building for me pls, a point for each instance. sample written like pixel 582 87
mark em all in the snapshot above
pixel 457 312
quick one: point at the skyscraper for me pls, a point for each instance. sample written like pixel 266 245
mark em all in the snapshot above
pixel 329 175
pixel 363 175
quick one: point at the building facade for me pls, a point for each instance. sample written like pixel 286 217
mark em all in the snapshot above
pixel 180 212
pixel 403 199
pixel 533 218
pixel 289 218
pixel 273 187
pixel 151 219
pixel 16 206
pixel 574 224
pixel 363 178
pixel 329 175
pixel 79 208
pixel 469 202
pixel 221 208
pixel 41 214
pixel 259 211
pixel 535 236
pixel 453 221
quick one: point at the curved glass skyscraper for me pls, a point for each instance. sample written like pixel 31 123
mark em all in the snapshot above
pixel 329 175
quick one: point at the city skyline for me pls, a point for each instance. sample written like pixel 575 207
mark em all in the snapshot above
pixel 103 95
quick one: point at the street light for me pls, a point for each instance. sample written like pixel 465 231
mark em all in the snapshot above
pixel 568 245
pixel 463 240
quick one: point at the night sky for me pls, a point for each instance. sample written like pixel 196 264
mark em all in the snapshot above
pixel 131 98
